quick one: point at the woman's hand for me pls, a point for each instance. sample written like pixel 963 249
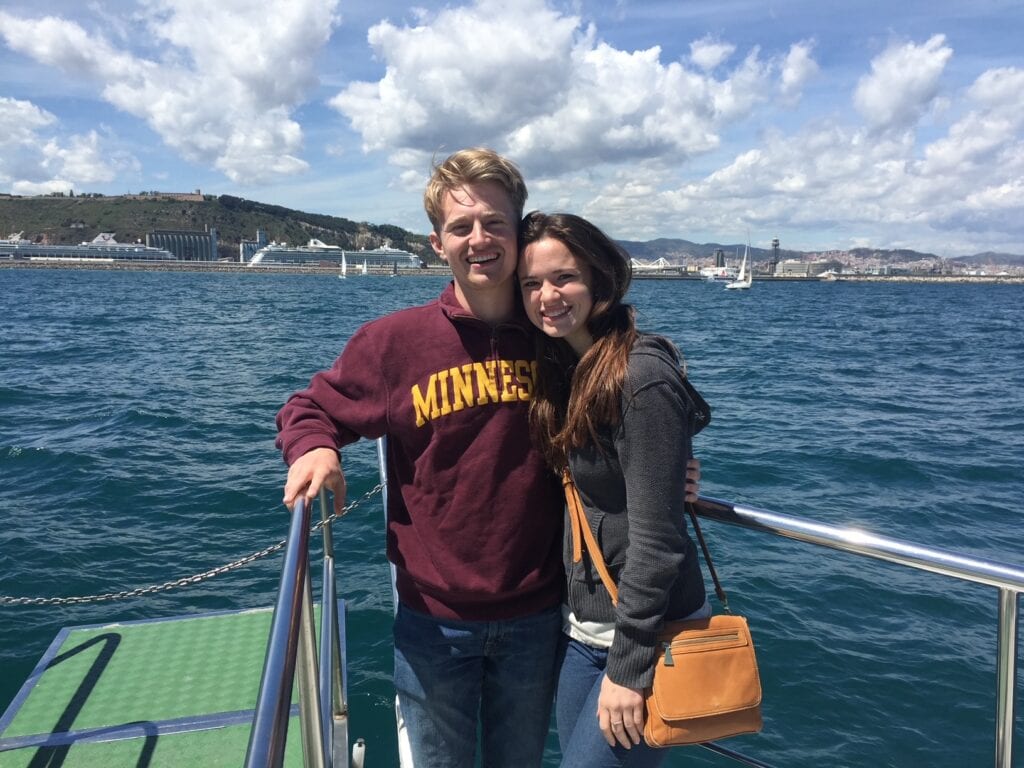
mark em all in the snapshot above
pixel 620 714
pixel 692 480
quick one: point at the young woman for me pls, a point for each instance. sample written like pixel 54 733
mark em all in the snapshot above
pixel 609 405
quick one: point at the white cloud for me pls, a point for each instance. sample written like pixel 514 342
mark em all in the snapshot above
pixel 708 53
pixel 223 85
pixel 989 135
pixel 31 188
pixel 82 159
pixel 845 180
pixel 20 121
pixel 35 159
pixel 797 68
pixel 551 93
pixel 1008 196
pixel 903 82
pixel 462 77
pixel 840 180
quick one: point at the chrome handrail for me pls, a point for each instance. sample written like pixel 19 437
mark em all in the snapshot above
pixel 1007 579
pixel 273 703
pixel 292 657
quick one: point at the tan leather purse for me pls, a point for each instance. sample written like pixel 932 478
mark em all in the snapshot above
pixel 706 683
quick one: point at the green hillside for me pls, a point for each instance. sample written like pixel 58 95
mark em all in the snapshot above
pixel 71 220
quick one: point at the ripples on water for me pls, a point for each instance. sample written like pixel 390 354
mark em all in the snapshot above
pixel 136 446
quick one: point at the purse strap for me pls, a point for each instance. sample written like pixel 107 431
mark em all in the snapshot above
pixel 581 534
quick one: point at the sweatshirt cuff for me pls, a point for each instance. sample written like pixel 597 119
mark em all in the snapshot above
pixel 306 444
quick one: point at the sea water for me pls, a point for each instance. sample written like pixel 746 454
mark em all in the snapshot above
pixel 136 447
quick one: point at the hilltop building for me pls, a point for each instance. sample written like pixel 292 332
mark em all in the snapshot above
pixel 193 197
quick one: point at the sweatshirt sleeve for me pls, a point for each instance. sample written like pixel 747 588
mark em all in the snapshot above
pixel 340 405
pixel 653 446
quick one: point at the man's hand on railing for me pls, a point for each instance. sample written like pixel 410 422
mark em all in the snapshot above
pixel 319 468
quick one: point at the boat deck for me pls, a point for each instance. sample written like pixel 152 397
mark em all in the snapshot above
pixel 169 692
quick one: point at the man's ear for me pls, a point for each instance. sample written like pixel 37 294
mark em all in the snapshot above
pixel 435 243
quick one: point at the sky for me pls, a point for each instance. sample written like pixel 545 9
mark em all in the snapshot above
pixel 867 123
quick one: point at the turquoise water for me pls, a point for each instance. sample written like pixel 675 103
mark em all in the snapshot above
pixel 136 447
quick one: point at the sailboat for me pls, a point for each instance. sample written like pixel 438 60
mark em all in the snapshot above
pixel 364 270
pixel 746 276
pixel 344 267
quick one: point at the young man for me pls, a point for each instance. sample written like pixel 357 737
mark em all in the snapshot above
pixel 474 517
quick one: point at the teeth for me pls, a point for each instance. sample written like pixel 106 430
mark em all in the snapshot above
pixel 555 314
pixel 482 259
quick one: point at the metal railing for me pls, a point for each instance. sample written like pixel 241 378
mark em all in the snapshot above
pixel 291 649
pixel 323 708
pixel 1008 580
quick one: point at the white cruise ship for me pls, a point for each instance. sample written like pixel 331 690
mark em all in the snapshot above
pixel 316 252
pixel 101 248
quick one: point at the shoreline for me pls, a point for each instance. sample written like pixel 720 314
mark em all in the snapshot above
pixel 236 268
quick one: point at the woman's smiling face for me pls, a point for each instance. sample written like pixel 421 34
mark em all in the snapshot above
pixel 556 292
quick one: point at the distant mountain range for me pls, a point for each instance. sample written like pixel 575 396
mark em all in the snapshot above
pixel 71 220
pixel 991 257
pixel 676 251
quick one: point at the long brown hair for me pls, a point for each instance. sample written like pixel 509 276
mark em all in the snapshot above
pixel 574 398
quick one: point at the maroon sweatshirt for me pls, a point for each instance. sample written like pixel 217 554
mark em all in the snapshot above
pixel 474 516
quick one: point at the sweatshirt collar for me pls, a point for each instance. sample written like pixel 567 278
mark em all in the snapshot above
pixel 454 310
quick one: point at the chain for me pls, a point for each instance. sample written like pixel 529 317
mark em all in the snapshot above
pixel 187 581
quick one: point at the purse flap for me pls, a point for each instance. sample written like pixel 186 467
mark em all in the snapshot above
pixel 706 667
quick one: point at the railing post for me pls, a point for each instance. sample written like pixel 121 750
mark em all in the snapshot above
pixel 311 724
pixel 333 697
pixel 1006 676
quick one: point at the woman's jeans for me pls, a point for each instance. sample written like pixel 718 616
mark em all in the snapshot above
pixel 580 672
pixel 451 673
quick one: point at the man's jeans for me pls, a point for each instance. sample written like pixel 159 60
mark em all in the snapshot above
pixel 448 673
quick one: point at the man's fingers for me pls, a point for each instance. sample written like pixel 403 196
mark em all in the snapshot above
pixel 292 490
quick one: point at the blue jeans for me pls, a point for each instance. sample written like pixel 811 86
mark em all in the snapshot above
pixel 449 674
pixel 580 672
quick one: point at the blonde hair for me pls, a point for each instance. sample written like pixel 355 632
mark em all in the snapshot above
pixel 472 166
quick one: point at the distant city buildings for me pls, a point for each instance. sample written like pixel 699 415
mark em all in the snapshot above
pixel 246 248
pixel 796 268
pixel 185 244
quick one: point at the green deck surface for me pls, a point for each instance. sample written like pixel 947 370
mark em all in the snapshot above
pixel 176 692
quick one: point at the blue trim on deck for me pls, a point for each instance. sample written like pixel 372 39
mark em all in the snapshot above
pixel 135 730
pixel 33 679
